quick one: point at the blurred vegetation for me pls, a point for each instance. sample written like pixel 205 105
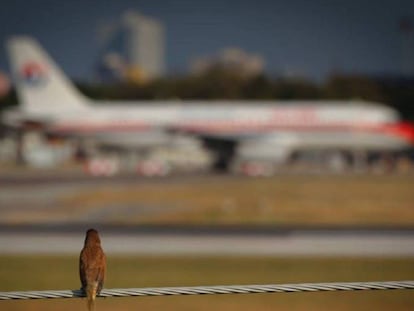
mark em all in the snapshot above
pixel 222 83
pixel 8 100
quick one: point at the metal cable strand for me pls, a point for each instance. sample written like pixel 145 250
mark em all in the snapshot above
pixel 213 290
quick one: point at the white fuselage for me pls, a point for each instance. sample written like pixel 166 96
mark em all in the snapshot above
pixel 221 116
pixel 300 124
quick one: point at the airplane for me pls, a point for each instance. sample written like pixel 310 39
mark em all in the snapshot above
pixel 235 131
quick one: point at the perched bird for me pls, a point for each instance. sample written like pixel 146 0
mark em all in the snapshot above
pixel 92 267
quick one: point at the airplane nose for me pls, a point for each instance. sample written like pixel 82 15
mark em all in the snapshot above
pixel 404 130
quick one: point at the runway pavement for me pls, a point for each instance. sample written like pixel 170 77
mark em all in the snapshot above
pixel 68 239
pixel 370 243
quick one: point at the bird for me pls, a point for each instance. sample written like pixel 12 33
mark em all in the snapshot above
pixel 92 267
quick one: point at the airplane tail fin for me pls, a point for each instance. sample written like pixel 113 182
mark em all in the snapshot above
pixel 40 84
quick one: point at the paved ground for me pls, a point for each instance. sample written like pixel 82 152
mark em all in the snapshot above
pixel 300 243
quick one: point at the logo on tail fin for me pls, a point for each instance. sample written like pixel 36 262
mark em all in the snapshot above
pixel 33 74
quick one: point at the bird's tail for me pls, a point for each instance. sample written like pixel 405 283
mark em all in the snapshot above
pixel 91 296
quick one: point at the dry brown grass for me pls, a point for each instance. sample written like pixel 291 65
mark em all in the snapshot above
pixel 39 272
pixel 282 200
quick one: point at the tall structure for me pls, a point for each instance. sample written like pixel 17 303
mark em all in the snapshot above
pixel 145 44
pixel 134 48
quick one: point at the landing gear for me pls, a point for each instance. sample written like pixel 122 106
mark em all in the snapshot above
pixel 224 152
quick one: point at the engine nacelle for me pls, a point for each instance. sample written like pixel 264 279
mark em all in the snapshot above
pixel 273 148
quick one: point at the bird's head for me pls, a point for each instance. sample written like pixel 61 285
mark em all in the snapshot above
pixel 92 237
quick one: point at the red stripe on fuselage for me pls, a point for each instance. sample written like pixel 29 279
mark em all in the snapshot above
pixel 101 127
pixel 403 130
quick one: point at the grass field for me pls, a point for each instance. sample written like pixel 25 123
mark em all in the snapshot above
pixel 334 200
pixel 40 273
pixel 281 200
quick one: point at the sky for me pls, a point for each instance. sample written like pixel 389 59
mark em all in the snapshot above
pixel 307 38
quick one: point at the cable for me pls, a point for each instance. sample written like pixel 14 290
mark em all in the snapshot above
pixel 213 290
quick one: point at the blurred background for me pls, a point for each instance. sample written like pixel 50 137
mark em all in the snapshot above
pixel 209 143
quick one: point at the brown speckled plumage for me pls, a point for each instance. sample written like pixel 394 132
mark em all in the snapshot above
pixel 92 267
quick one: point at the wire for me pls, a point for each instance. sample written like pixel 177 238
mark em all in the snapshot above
pixel 213 290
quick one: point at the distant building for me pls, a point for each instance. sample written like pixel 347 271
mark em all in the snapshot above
pixel 134 49
pixel 145 44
